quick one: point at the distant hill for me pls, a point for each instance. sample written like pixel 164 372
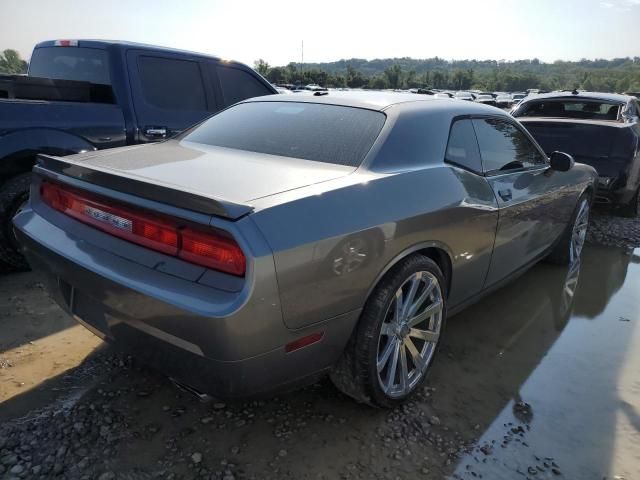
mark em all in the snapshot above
pixel 618 74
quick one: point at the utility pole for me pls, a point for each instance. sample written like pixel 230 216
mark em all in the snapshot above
pixel 302 61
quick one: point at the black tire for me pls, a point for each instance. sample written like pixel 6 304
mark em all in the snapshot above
pixel 13 193
pixel 561 252
pixel 356 373
pixel 630 210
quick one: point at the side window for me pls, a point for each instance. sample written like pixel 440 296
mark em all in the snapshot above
pixel 504 147
pixel 239 85
pixel 462 148
pixel 171 84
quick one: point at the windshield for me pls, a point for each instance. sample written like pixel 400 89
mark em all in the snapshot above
pixel 310 131
pixel 579 109
pixel 71 63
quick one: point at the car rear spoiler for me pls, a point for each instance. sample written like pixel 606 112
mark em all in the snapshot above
pixel 53 167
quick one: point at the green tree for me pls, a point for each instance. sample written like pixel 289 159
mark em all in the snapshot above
pixel 378 82
pixel 292 73
pixel 393 75
pixel 354 77
pixel 10 62
pixel 411 80
pixel 277 75
pixel 261 67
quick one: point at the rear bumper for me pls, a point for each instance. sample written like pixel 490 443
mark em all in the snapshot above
pixel 199 335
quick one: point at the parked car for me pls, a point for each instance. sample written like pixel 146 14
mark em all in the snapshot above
pixel 84 95
pixel 464 96
pixel 282 90
pixel 246 256
pixel 504 100
pixel 428 91
pixel 516 98
pixel 599 129
pixel 486 99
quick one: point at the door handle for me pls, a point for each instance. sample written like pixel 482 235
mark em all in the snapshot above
pixel 506 194
pixel 155 132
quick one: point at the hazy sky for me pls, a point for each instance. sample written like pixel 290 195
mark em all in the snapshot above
pixel 331 30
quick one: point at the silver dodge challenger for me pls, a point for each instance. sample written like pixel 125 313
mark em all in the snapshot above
pixel 285 238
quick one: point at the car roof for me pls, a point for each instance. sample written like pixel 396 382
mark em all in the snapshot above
pixel 381 100
pixel 572 121
pixel 98 43
pixel 607 97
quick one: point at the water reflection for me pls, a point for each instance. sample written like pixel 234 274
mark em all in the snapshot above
pixel 536 367
pixel 605 270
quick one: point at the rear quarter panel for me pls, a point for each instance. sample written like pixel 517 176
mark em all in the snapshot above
pixel 331 247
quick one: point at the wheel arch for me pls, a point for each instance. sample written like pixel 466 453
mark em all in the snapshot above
pixel 437 251
pixel 590 192
pixel 18 149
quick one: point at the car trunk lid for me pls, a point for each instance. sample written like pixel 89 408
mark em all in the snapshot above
pixel 213 180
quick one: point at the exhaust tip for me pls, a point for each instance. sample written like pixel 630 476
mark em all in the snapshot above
pixel 203 397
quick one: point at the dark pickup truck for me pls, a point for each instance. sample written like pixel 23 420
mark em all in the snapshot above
pixel 83 95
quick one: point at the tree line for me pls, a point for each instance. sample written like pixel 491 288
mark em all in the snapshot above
pixel 616 75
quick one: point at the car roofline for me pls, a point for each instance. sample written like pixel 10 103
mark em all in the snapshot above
pixel 104 44
pixel 588 96
pixel 582 121
pixel 376 101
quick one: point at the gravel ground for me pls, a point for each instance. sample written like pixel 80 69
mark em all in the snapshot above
pixel 605 228
pixel 170 434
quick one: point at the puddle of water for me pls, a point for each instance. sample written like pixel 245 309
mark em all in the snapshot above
pixel 575 363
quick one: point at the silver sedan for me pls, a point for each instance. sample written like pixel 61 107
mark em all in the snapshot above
pixel 290 237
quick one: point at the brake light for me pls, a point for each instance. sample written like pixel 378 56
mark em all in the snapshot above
pixel 210 248
pixel 66 43
pixel 219 253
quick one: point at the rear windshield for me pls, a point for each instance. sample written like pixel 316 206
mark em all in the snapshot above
pixel 586 110
pixel 71 63
pixel 310 131
pixel 579 140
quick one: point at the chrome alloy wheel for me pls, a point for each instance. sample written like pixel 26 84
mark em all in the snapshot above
pixel 409 334
pixel 579 233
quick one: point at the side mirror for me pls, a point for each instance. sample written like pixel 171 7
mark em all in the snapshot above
pixel 561 162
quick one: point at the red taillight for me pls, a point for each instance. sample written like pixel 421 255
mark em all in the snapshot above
pixel 219 253
pixel 209 248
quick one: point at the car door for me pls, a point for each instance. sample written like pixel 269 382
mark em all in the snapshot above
pixel 533 206
pixel 171 92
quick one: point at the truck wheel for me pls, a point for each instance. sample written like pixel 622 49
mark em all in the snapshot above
pixel 630 210
pixel 14 193
pixel 396 339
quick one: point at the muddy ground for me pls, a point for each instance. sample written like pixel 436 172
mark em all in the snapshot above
pixel 539 380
